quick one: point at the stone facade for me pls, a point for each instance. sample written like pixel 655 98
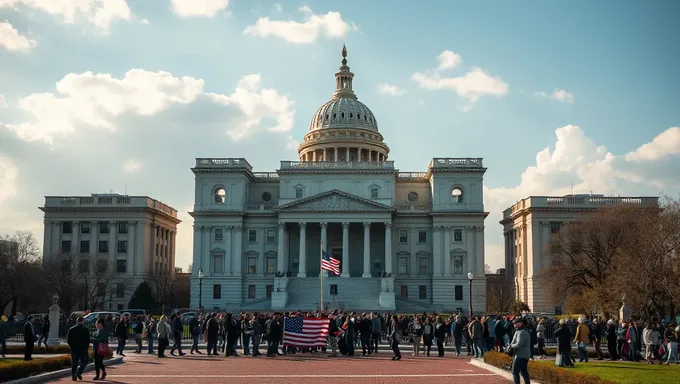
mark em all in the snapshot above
pixel 528 226
pixel 134 235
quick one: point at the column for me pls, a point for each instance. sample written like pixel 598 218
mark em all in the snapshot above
pixel 229 254
pixel 447 251
pixel 437 251
pixel 347 154
pixel 238 252
pixel 479 256
pixel 324 245
pixel 94 238
pixel 302 262
pixel 324 155
pixel 367 250
pixel 47 241
pixel 345 250
pixel 545 244
pixel 388 247
pixel 286 249
pixel 75 238
pixel 132 237
pixel 335 154
pixel 261 259
pixel 113 226
pixel 280 249
pixel 469 250
pixel 413 236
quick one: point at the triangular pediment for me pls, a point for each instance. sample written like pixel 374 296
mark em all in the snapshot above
pixel 334 201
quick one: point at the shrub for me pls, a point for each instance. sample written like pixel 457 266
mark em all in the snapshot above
pixel 545 373
pixel 20 369
pixel 56 350
pixel 553 352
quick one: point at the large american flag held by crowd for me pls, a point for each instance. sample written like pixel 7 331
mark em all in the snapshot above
pixel 328 263
pixel 305 332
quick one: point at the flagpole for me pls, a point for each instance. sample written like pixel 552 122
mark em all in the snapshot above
pixel 321 278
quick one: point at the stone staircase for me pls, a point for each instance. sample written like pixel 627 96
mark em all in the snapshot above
pixel 354 294
pixel 261 304
pixel 413 306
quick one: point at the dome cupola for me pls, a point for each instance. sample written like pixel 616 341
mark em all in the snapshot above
pixel 343 129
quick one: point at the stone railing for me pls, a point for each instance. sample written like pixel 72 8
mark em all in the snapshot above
pixel 584 202
pixel 223 163
pixel 330 165
pixel 456 162
pixel 413 208
pixel 412 175
pixel 266 175
pixel 259 207
pixel 104 201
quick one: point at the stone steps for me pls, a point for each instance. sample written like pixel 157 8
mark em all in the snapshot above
pixel 353 294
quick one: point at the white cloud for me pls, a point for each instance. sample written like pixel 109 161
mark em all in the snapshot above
pixel 131 165
pixel 314 25
pixel 278 7
pixel 664 145
pixel 94 100
pixel 100 13
pixel 448 60
pixel 198 8
pixel 12 40
pixel 472 85
pixel 389 89
pixel 144 21
pixel 257 104
pixel 558 95
pixel 292 144
pixel 8 178
pixel 3 102
pixel 649 170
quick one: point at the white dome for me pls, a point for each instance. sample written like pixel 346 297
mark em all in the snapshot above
pixel 344 112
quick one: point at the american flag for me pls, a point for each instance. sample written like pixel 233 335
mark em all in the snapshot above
pixel 305 332
pixel 329 263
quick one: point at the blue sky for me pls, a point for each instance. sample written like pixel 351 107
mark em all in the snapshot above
pixel 567 76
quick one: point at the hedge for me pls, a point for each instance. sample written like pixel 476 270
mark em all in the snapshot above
pixel 19 369
pixel 20 350
pixel 545 373
pixel 553 351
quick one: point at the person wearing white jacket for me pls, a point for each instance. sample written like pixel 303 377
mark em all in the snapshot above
pixel 650 337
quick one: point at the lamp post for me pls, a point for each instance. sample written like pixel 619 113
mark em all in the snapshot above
pixel 470 277
pixel 200 289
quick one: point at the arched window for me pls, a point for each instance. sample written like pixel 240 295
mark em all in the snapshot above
pixel 457 195
pixel 220 195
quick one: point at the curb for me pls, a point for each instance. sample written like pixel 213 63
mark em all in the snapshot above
pixel 498 371
pixel 48 376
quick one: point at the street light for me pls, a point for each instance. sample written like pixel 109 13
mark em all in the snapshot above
pixel 200 288
pixel 470 277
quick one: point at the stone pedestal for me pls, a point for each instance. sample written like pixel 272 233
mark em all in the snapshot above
pixel 280 294
pixel 55 310
pixel 625 313
pixel 387 297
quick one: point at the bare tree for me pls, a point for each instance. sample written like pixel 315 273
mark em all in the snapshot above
pixel 19 256
pixel 181 290
pixel 162 283
pixel 97 283
pixel 498 298
pixel 61 272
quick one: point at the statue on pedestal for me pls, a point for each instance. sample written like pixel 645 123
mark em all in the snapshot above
pixel 387 284
pixel 55 312
pixel 625 313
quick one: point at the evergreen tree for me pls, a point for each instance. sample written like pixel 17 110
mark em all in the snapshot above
pixel 142 298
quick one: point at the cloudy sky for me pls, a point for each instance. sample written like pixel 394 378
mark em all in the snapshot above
pixel 99 94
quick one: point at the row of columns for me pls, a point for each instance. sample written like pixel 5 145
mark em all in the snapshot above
pixel 345 248
pixel 324 154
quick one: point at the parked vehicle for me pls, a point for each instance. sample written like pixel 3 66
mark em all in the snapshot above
pixel 187 316
pixel 93 316
pixel 133 312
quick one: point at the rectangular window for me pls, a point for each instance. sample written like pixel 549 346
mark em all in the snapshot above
pixel 458 293
pixel 457 235
pixel 84 246
pixel 270 289
pixel 103 246
pixel 334 289
pixel 457 265
pixel 251 291
pixel 422 292
pixel 558 311
pixel 122 246
pixel 121 266
pixel 422 236
pixel 66 246
pixel 403 236
pixel 252 265
pixel 218 263
pixel 403 265
pixel 374 193
pixel 252 236
pixel 299 192
pixel 123 227
pixel 217 291
pixel 67 227
pixel 84 266
pixel 103 227
pixel 404 291
pixel 422 266
pixel 555 227
pixel 85 227
pixel 271 236
pixel 271 265
pixel 219 234
pixel 120 290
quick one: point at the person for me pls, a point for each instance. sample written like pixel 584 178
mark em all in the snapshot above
pixel 177 330
pixel 29 338
pixel 138 330
pixel 671 337
pixel 428 334
pixel 4 332
pixel 195 332
pixel 333 333
pixel 581 338
pixel 121 335
pixel 151 334
pixel 78 339
pixel 100 336
pixel 611 340
pixel 563 357
pixel 650 337
pixel 164 334
pixel 540 338
pixel 211 331
pixel 521 344
pixel 395 336
pixel 416 331
pixel 440 335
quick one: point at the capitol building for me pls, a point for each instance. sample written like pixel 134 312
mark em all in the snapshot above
pixel 407 241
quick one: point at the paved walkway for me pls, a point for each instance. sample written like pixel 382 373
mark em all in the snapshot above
pixel 299 368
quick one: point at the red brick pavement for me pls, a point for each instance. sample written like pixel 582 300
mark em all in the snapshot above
pixel 145 369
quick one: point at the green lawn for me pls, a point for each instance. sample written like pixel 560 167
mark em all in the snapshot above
pixel 7 361
pixel 628 373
